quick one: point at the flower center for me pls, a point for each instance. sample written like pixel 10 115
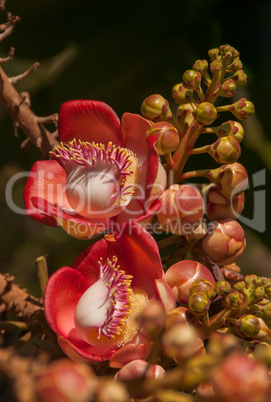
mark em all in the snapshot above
pixel 100 179
pixel 106 313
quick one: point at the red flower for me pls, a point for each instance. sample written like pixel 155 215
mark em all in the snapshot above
pixel 107 173
pixel 93 305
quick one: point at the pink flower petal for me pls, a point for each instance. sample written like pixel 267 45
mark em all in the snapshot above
pixel 63 291
pixel 73 223
pixel 129 353
pixel 141 255
pixel 134 128
pixel 84 353
pixel 155 182
pixel 165 295
pixel 89 120
pixel 46 181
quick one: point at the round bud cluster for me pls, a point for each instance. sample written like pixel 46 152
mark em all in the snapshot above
pixel 242 109
pixel 191 79
pixel 154 106
pixel 218 206
pixel 182 275
pixel 228 50
pixel 168 137
pixel 224 242
pixel 225 150
pixel 233 179
pixel 181 210
pixel 182 95
pixel 206 113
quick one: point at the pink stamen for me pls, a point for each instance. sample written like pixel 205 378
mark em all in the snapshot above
pixel 119 293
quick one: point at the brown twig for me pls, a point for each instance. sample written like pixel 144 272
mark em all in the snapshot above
pixel 17 300
pixel 27 120
pixel 15 79
pixel 9 57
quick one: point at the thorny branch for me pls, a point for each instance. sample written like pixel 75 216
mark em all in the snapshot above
pixel 16 104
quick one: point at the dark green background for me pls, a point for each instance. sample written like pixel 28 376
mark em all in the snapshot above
pixel 120 52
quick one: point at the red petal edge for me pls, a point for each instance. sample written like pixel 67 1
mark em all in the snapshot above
pixel 89 120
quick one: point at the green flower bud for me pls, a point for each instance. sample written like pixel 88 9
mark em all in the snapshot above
pixel 234 300
pixel 242 109
pixel 168 137
pixel 240 78
pixel 191 79
pixel 227 89
pixel 222 288
pixel 259 293
pixel 235 65
pixel 226 150
pixel 198 303
pixel 229 51
pixel 182 95
pixel 201 66
pixel 267 310
pixel 240 286
pixel 232 128
pixel 185 114
pixel 202 286
pixel 248 325
pixel 154 106
pixel 213 54
pixel 206 113
pixel 250 281
pixel 215 66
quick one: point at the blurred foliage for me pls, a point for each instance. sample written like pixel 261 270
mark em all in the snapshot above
pixel 119 53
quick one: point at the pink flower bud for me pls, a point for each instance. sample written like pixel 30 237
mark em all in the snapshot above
pixel 66 380
pixel 137 369
pixel 225 243
pixel 111 391
pixel 180 315
pixel 233 180
pixel 240 379
pixel 182 209
pixel 168 137
pixel 226 150
pixel 182 275
pixel 182 342
pixel 206 113
pixel 218 206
